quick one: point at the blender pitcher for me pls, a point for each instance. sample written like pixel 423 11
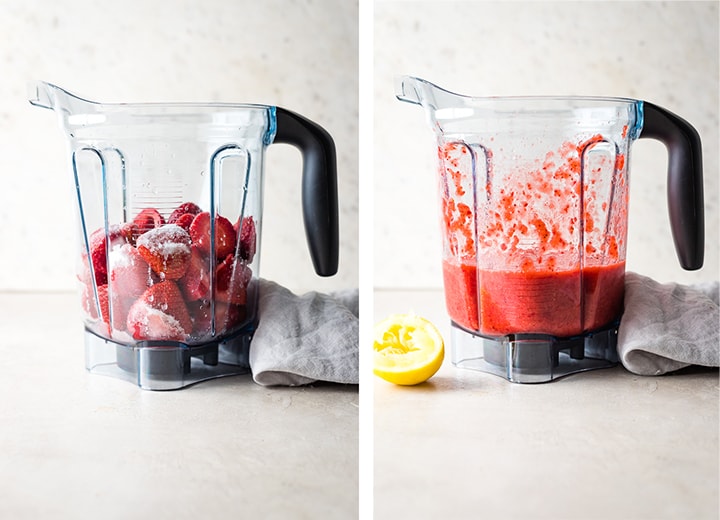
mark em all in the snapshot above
pixel 534 202
pixel 169 199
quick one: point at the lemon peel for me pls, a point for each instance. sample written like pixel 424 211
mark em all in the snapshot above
pixel 408 349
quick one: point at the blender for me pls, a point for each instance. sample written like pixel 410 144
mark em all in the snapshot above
pixel 534 204
pixel 170 200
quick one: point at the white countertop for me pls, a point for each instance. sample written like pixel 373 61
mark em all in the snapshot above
pixel 76 445
pixel 604 444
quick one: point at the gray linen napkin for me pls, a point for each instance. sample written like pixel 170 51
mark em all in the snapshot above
pixel 666 327
pixel 303 339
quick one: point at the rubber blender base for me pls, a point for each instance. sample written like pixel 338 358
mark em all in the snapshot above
pixel 534 358
pixel 168 365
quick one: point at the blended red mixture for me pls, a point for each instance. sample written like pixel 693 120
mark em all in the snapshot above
pixel 528 226
pixel 561 304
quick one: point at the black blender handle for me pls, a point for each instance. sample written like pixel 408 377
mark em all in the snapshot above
pixel 319 186
pixel 684 181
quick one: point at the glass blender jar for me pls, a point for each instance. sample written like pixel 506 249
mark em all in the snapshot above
pixel 534 203
pixel 169 199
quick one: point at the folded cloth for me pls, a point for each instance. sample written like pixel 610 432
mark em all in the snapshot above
pixel 303 339
pixel 666 327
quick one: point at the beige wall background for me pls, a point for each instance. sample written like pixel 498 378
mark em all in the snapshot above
pixel 303 56
pixel 663 52
pixel 299 55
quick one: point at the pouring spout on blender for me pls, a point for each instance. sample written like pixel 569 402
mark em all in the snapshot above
pixel 407 89
pixel 421 92
pixel 47 95
pixel 41 94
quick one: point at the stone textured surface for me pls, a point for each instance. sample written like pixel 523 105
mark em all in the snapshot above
pixel 77 445
pixel 594 445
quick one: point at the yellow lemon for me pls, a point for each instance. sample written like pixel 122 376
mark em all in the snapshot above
pixel 408 349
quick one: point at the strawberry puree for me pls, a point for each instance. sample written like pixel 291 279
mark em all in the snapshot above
pixel 562 303
pixel 534 234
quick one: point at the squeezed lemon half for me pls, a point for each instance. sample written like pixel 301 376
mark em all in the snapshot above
pixel 408 349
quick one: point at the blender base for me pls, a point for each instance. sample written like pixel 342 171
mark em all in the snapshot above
pixel 168 365
pixel 534 358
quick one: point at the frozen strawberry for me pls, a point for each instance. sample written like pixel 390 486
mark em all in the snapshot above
pixel 167 250
pixel 184 221
pixel 83 270
pixel 186 208
pixel 226 317
pixel 120 308
pixel 231 280
pixel 98 257
pixel 104 303
pixel 130 232
pixel 160 314
pixel 100 327
pixel 225 235
pixel 108 301
pixel 130 274
pixel 196 282
pixel 248 238
pixel 90 306
pixel 99 248
pixel 147 219
pixel 88 301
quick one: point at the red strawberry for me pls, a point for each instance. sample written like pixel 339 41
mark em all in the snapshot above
pixel 88 301
pixel 89 305
pixel 184 221
pixel 186 208
pixel 98 249
pixel 104 303
pixel 225 235
pixel 248 238
pixel 160 313
pixel 130 274
pixel 83 270
pixel 86 298
pixel 167 250
pixel 98 256
pixel 231 281
pixel 120 308
pixel 147 219
pixel 196 282
pixel 226 317
pixel 130 232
